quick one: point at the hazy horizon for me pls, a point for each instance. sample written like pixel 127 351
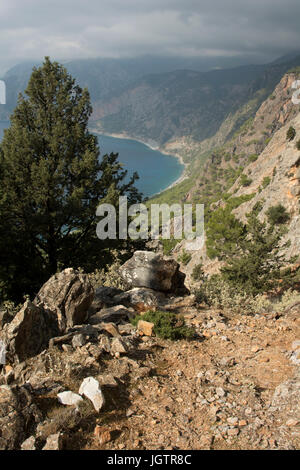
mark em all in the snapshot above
pixel 223 33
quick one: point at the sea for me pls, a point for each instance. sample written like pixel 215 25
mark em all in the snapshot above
pixel 156 170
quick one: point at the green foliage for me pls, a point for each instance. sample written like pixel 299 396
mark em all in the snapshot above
pixel 166 325
pixel 252 158
pixel 223 232
pixel 168 245
pixel 298 145
pixel 266 182
pixel 245 181
pixel 291 134
pixel 198 273
pixel 277 215
pixel 256 266
pixel 185 258
pixel 51 182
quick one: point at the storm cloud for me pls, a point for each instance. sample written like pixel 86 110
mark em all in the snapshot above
pixel 68 29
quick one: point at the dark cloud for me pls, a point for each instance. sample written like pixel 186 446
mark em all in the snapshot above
pixel 31 29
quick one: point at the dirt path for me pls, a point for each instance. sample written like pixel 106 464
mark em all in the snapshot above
pixel 211 393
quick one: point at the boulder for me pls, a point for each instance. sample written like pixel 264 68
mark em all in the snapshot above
pixel 141 299
pixel 104 298
pixel 69 295
pixel 111 315
pixel 151 270
pixel 29 332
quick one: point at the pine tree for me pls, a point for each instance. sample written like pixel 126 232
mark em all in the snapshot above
pixel 52 181
pixel 257 267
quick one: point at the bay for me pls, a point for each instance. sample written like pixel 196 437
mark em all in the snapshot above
pixel 156 170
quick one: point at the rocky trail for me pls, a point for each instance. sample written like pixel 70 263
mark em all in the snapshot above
pixel 106 384
pixel 229 389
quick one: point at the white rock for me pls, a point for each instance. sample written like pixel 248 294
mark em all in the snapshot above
pixel 69 398
pixel 91 389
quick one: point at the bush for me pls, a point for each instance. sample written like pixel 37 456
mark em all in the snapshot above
pixel 298 145
pixel 277 215
pixel 166 325
pixel 291 134
pixel 198 273
pixel 109 276
pixel 185 258
pixel 217 293
pixel 253 158
pixel 245 181
pixel 169 245
pixel 266 182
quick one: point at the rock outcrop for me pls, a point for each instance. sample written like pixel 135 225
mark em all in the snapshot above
pixel 69 295
pixel 29 332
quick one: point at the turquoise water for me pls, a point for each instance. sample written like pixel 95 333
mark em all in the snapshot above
pixel 156 170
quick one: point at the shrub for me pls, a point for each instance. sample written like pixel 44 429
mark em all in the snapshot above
pixel 277 215
pixel 185 258
pixel 256 267
pixel 245 181
pixel 298 145
pixel 266 182
pixel 109 276
pixel 198 273
pixel 168 245
pixel 253 157
pixel 291 134
pixel 166 325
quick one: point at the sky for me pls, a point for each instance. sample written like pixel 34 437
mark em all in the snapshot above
pixel 260 30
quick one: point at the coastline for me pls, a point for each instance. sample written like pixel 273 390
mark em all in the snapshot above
pixel 179 180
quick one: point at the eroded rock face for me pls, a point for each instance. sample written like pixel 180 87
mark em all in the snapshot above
pixel 69 295
pixel 151 270
pixel 29 332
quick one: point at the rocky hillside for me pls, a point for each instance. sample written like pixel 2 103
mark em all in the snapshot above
pixel 161 101
pixel 257 165
pixel 79 375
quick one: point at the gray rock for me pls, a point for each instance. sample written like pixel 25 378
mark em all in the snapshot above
pixel 141 299
pixel 104 297
pixel 29 332
pixel 69 295
pixel 151 270
pixel 286 396
pixel 112 315
pixel 78 341
pixel 118 346
pixel 17 413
